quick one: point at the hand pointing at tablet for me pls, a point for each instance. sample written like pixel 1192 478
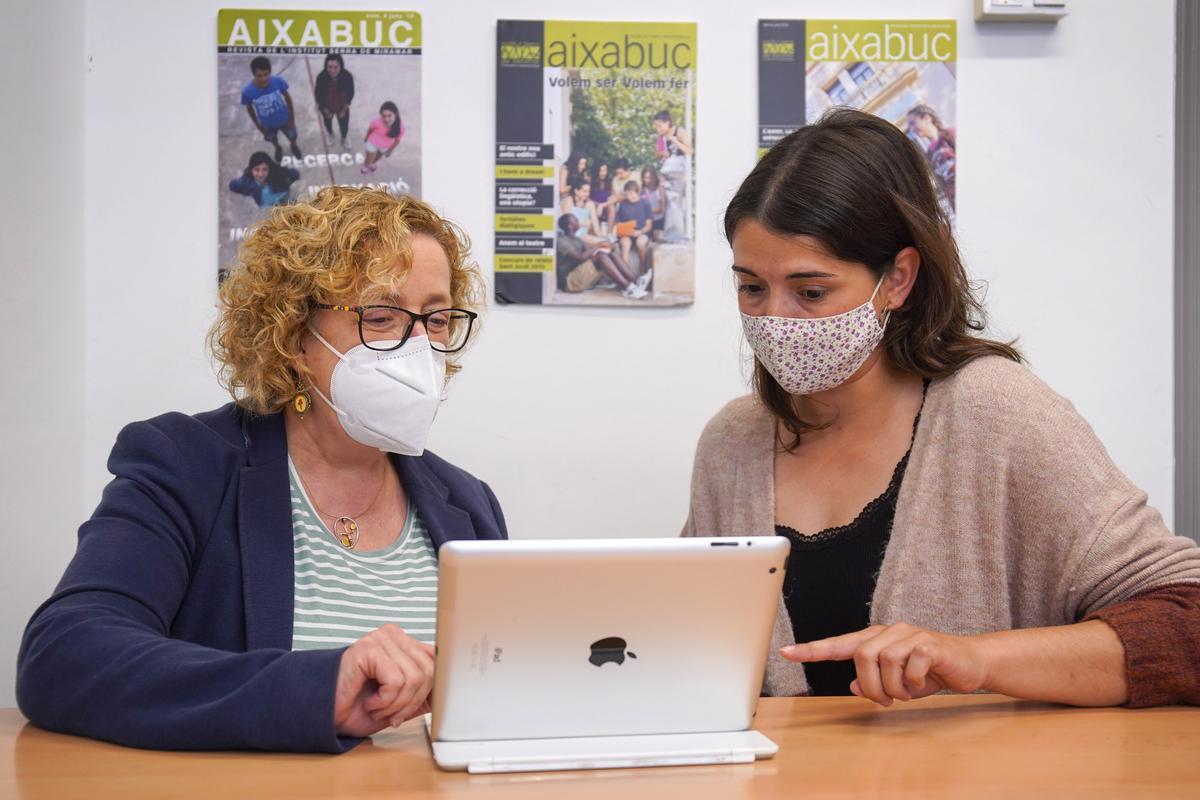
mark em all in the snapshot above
pixel 1077 664
pixel 899 662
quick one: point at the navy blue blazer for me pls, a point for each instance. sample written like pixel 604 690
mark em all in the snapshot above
pixel 172 626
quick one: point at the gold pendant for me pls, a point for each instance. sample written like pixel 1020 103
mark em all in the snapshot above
pixel 346 531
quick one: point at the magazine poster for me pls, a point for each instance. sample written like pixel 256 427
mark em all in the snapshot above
pixel 595 163
pixel 900 70
pixel 308 99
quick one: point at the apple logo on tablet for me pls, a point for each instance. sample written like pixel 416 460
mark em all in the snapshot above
pixel 610 649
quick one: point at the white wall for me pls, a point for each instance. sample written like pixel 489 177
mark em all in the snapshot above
pixel 43 400
pixel 582 420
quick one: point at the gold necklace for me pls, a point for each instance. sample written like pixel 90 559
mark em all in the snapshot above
pixel 345 526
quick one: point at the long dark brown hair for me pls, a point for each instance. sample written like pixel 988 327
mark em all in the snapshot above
pixel 856 184
pixel 393 131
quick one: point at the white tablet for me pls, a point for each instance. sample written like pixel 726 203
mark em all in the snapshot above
pixel 543 639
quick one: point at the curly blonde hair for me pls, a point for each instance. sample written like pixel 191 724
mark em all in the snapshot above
pixel 341 244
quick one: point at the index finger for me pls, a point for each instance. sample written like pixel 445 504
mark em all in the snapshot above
pixel 835 648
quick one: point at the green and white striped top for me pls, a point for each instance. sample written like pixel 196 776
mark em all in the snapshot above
pixel 342 595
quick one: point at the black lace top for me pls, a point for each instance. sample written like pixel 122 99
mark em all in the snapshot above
pixel 831 577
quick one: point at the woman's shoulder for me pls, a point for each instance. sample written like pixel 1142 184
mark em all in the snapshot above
pixel 741 421
pixel 1001 399
pixel 457 480
pixel 996 383
pixel 193 458
pixel 205 437
pixel 733 458
pixel 460 488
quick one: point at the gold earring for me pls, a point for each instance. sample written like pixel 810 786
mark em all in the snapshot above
pixel 301 401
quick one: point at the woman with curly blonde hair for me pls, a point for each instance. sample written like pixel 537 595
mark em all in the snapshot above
pixel 264 576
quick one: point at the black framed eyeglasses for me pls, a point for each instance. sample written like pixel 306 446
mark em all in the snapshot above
pixel 386 328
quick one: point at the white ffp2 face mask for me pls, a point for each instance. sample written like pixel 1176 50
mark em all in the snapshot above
pixel 387 399
pixel 807 356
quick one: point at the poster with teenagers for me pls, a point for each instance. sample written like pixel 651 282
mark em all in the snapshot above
pixel 900 70
pixel 595 163
pixel 308 99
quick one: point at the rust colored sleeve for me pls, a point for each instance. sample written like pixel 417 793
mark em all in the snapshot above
pixel 1160 630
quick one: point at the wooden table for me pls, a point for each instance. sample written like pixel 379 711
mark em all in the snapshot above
pixel 979 746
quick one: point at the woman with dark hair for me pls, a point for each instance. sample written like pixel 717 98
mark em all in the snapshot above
pixel 383 136
pixel 333 91
pixel 578 203
pixel 574 173
pixel 601 190
pixel 656 196
pixel 266 182
pixel 955 524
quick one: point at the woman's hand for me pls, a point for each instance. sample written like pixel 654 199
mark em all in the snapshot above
pixel 384 679
pixel 901 661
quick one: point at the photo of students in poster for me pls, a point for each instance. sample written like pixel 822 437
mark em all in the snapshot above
pixel 295 89
pixel 673 147
pixel 901 70
pixel 936 141
pixel 264 181
pixel 582 263
pixel 270 107
pixel 595 122
pixel 383 137
pixel 333 93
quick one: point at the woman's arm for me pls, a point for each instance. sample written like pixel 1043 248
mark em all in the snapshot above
pixel 396 141
pixel 1160 631
pixel 1080 664
pixel 319 86
pixel 497 513
pixel 242 184
pixel 683 140
pixel 98 658
pixel 1086 546
pixel 1142 652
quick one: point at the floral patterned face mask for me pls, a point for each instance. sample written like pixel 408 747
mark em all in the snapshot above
pixel 807 356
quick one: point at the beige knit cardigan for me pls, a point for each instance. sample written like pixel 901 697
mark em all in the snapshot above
pixel 1010 514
